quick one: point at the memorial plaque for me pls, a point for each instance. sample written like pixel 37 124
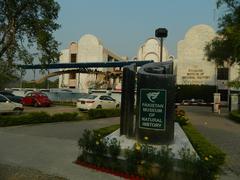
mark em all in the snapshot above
pixel 155 103
pixel 152 111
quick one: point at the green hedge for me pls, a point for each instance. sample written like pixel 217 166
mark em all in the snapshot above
pixel 103 113
pixel 235 116
pixel 43 117
pixel 107 130
pixel 212 155
pixel 37 117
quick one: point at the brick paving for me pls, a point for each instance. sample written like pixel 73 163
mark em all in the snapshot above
pixel 221 131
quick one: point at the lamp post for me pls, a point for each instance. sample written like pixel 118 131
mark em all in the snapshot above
pixel 161 33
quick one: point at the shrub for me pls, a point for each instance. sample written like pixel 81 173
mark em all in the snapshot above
pixel 133 158
pixel 36 117
pixel 64 117
pixel 83 142
pixel 93 143
pixel 144 160
pixel 192 166
pixel 165 158
pixel 107 130
pixel 103 113
pixel 235 116
pixel 114 148
pixel 181 117
pixel 30 118
pixel 211 156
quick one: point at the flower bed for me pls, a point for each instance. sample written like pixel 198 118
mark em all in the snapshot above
pixel 144 161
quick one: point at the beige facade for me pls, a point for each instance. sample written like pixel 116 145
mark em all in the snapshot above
pixel 192 66
pixel 88 49
pixel 151 49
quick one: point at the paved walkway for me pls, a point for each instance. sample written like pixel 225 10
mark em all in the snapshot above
pixel 219 130
pixel 50 148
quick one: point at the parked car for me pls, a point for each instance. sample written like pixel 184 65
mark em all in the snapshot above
pixel 11 96
pixel 91 101
pixel 36 99
pixel 8 106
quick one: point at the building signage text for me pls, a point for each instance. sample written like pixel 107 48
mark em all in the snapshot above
pixel 152 109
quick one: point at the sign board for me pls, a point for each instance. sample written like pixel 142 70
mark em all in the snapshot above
pixel 152 109
pixel 196 73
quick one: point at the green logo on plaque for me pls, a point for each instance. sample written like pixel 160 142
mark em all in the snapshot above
pixel 152 112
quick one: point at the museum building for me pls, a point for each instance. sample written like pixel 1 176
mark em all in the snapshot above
pixel 88 49
pixel 190 65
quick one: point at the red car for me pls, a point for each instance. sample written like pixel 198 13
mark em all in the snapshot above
pixel 36 99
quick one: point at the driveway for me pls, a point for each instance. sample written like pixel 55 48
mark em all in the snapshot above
pixel 50 148
pixel 221 131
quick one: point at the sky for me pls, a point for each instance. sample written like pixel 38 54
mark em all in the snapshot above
pixel 124 25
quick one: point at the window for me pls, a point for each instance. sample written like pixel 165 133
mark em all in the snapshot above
pixel 72 76
pixel 222 74
pixel 6 93
pixel 110 98
pixel 2 99
pixel 224 94
pixel 73 58
pixel 102 98
pixel 29 95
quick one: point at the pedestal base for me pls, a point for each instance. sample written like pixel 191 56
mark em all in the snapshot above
pixel 180 141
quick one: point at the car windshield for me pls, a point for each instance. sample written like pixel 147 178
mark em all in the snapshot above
pixel 43 95
pixel 6 93
pixel 3 99
pixel 88 96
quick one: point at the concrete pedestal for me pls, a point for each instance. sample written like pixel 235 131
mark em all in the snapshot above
pixel 180 141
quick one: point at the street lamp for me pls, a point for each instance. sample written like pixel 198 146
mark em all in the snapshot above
pixel 161 33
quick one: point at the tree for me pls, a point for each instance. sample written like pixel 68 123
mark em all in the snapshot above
pixel 26 28
pixel 226 46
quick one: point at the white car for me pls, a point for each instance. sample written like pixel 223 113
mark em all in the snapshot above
pixel 91 101
pixel 7 106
